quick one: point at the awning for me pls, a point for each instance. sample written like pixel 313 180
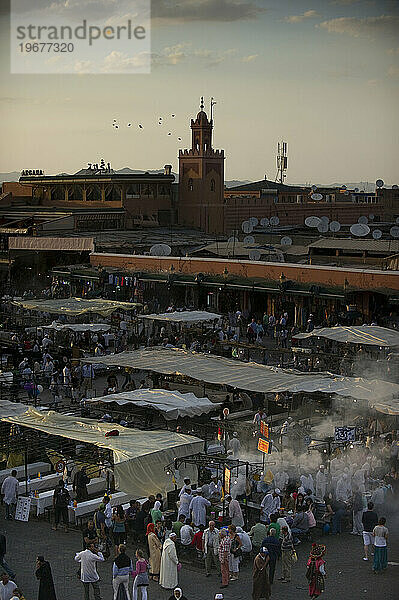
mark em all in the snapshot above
pixel 59 244
pixel 11 409
pixel 139 456
pixel 79 327
pixel 369 335
pixel 170 404
pixel 388 408
pixel 250 376
pixel 76 306
pixel 185 316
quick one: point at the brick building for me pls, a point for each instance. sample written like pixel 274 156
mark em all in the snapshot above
pixel 201 179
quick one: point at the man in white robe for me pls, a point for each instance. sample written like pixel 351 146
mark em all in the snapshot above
pixel 321 482
pixel 198 508
pixel 185 501
pixel 10 491
pixel 358 481
pixel 234 445
pixel 341 491
pixel 269 505
pixel 215 487
pixel 168 573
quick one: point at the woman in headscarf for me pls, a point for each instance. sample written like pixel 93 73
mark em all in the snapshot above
pixel 156 513
pixel 316 572
pixel 44 575
pixel 154 547
pixel 177 595
pixel 260 576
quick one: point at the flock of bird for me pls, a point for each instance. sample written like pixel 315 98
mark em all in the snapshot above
pixel 116 125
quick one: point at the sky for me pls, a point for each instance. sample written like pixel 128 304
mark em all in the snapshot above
pixel 323 76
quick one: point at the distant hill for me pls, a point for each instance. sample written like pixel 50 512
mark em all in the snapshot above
pixel 234 182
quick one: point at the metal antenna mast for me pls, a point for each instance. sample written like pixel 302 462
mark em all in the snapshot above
pixel 282 162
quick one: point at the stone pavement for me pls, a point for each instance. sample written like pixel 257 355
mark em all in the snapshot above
pixel 349 577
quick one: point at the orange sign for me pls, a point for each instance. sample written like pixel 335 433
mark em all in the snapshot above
pixel 263 446
pixel 227 478
pixel 264 429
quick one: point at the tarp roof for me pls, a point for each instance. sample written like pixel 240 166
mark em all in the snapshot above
pixel 76 306
pixel 184 316
pixel 59 244
pixel 370 335
pixel 11 409
pixel 139 456
pixel 94 327
pixel 247 376
pixel 170 404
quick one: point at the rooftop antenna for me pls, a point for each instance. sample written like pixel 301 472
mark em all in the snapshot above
pixel 282 162
pixel 213 102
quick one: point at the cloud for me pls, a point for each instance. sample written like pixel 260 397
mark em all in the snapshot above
pixel 250 58
pixel 308 14
pixel 205 10
pixel 368 27
pixel 393 71
pixel 393 51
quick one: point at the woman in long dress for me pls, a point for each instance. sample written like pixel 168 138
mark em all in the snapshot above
pixel 44 575
pixel 260 576
pixel 154 547
pixel 316 571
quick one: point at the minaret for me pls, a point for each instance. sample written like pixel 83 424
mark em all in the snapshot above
pixel 201 179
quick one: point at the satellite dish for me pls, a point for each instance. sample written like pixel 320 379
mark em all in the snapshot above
pixel 317 197
pixel 160 250
pixel 356 190
pixel 246 227
pixel 325 219
pixel 232 240
pixel 322 227
pixel 286 241
pixel 395 187
pixel 363 219
pixel 377 234
pixel 343 187
pixel 359 229
pixel 371 216
pixel 312 221
pixel 314 188
pixel 346 192
pixel 335 226
pixel 274 221
pixel 254 255
pixel 394 231
pixel 264 222
pixel 254 221
pixel 249 239
pixel 379 183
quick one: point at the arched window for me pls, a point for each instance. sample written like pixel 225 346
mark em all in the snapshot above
pixel 213 185
pixel 190 185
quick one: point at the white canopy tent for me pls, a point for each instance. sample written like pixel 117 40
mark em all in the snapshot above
pixel 170 404
pixel 185 316
pixel 368 335
pixel 76 306
pixel 139 456
pixel 11 409
pixel 79 327
pixel 250 376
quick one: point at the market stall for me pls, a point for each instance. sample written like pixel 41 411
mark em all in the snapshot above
pixel 253 377
pixel 170 404
pixel 76 306
pixel 138 456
